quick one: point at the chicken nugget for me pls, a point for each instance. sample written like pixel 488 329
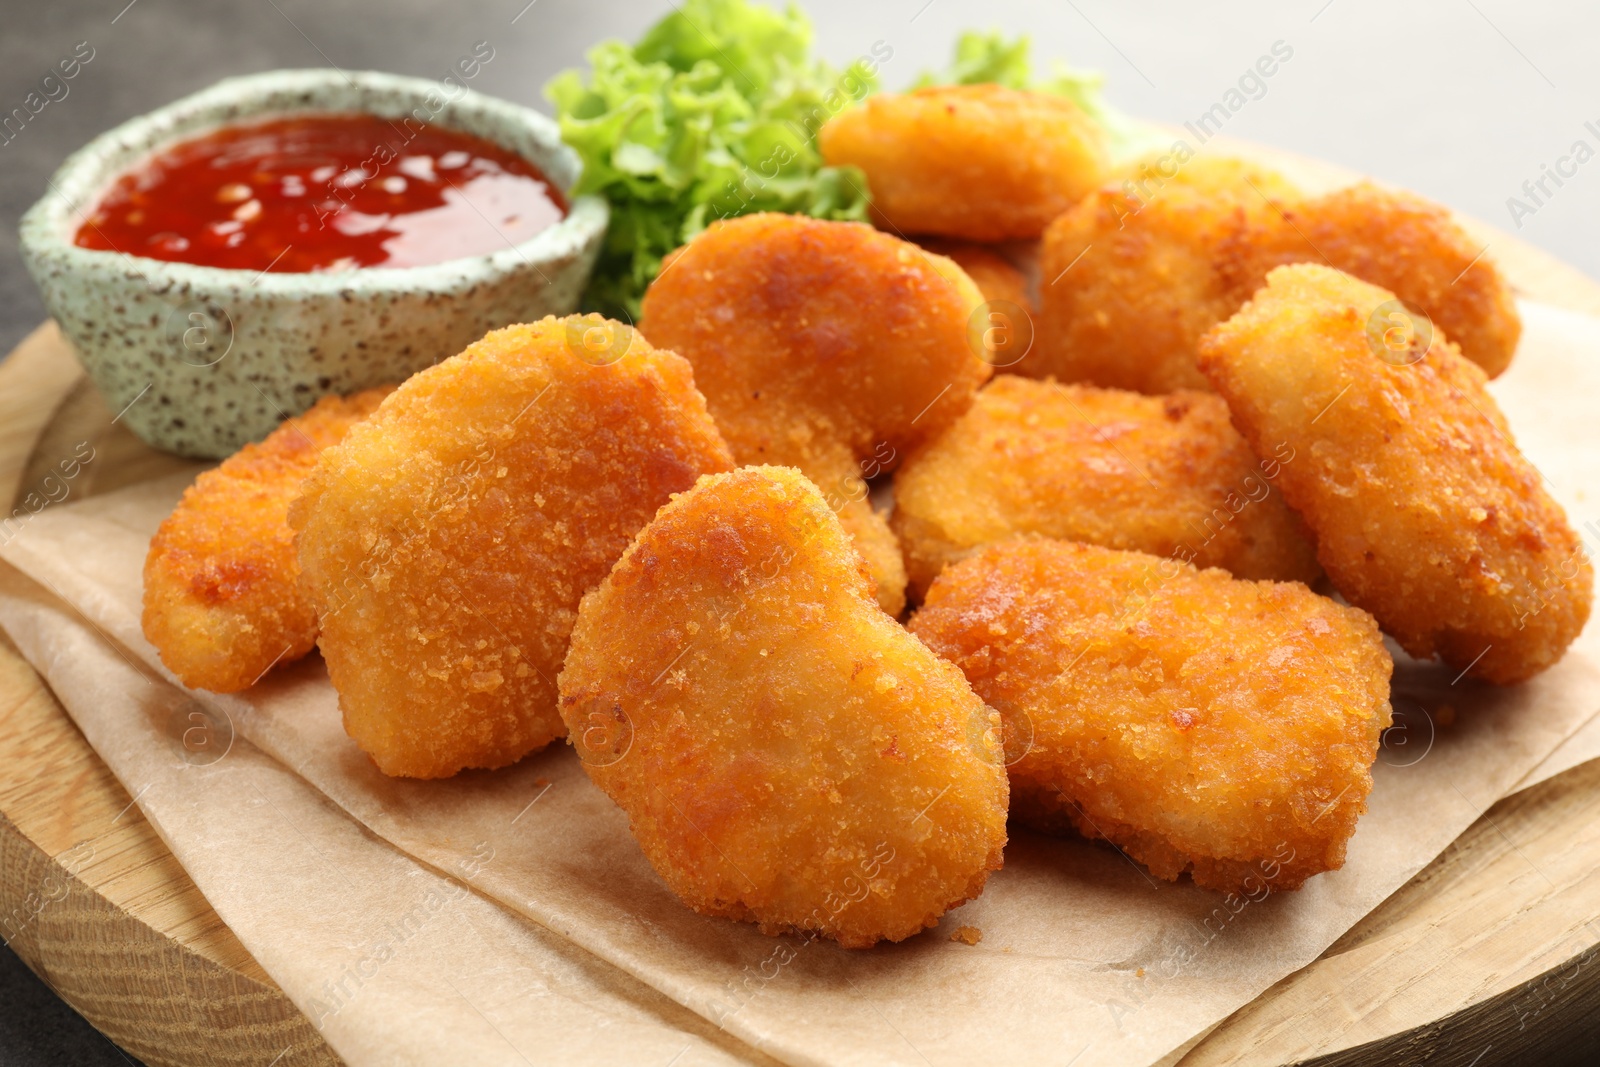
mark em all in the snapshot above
pixel 447 541
pixel 1423 511
pixel 1132 277
pixel 1166 475
pixel 1411 247
pixel 1127 287
pixel 1198 722
pixel 1255 187
pixel 222 603
pixel 1003 330
pixel 994 275
pixel 786 753
pixel 827 346
pixel 981 162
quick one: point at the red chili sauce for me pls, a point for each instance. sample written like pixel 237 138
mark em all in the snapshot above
pixel 325 192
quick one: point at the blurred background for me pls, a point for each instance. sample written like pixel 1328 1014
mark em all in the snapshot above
pixel 1463 101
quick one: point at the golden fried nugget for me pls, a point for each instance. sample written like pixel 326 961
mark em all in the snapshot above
pixel 1198 722
pixel 786 753
pixel 447 542
pixel 1259 189
pixel 977 161
pixel 994 275
pixel 1166 475
pixel 826 346
pixel 1004 332
pixel 1413 248
pixel 222 604
pixel 1128 286
pixel 1130 282
pixel 1423 510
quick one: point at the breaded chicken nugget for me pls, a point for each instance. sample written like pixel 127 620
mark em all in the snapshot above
pixel 1260 190
pixel 222 603
pixel 843 479
pixel 1166 475
pixel 1127 286
pixel 446 542
pixel 786 753
pixel 1411 247
pixel 977 161
pixel 1423 510
pixel 1131 281
pixel 827 346
pixel 1003 331
pixel 1198 722
pixel 994 275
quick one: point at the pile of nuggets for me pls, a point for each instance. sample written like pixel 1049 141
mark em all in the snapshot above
pixel 1221 401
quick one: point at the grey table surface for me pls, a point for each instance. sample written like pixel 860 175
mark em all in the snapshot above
pixel 1461 100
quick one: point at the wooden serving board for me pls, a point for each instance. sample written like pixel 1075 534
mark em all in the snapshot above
pixel 1487 957
pixel 90 898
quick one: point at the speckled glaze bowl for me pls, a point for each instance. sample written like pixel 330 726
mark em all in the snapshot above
pixel 201 360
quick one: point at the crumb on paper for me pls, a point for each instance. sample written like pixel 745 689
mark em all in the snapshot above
pixel 1139 973
pixel 967 935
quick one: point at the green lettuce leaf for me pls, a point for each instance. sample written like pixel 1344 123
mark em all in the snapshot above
pixel 712 114
pixel 985 59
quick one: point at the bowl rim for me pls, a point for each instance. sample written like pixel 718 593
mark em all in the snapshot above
pixel 85 175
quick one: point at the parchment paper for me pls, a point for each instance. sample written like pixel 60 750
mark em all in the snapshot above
pixel 394 962
pixel 1084 958
pixel 1576 750
pixel 1559 394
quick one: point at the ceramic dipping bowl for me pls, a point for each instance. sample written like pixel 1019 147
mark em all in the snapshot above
pixel 200 360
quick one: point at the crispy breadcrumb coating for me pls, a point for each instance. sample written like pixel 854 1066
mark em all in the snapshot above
pixel 1130 282
pixel 994 275
pixel 1166 475
pixel 447 542
pixel 1198 722
pixel 1127 287
pixel 1004 331
pixel 1423 510
pixel 1413 248
pixel 1257 188
pixel 222 604
pixel 786 753
pixel 981 162
pixel 826 346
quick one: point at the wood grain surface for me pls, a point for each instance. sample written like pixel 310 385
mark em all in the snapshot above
pixel 90 898
pixel 1490 956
